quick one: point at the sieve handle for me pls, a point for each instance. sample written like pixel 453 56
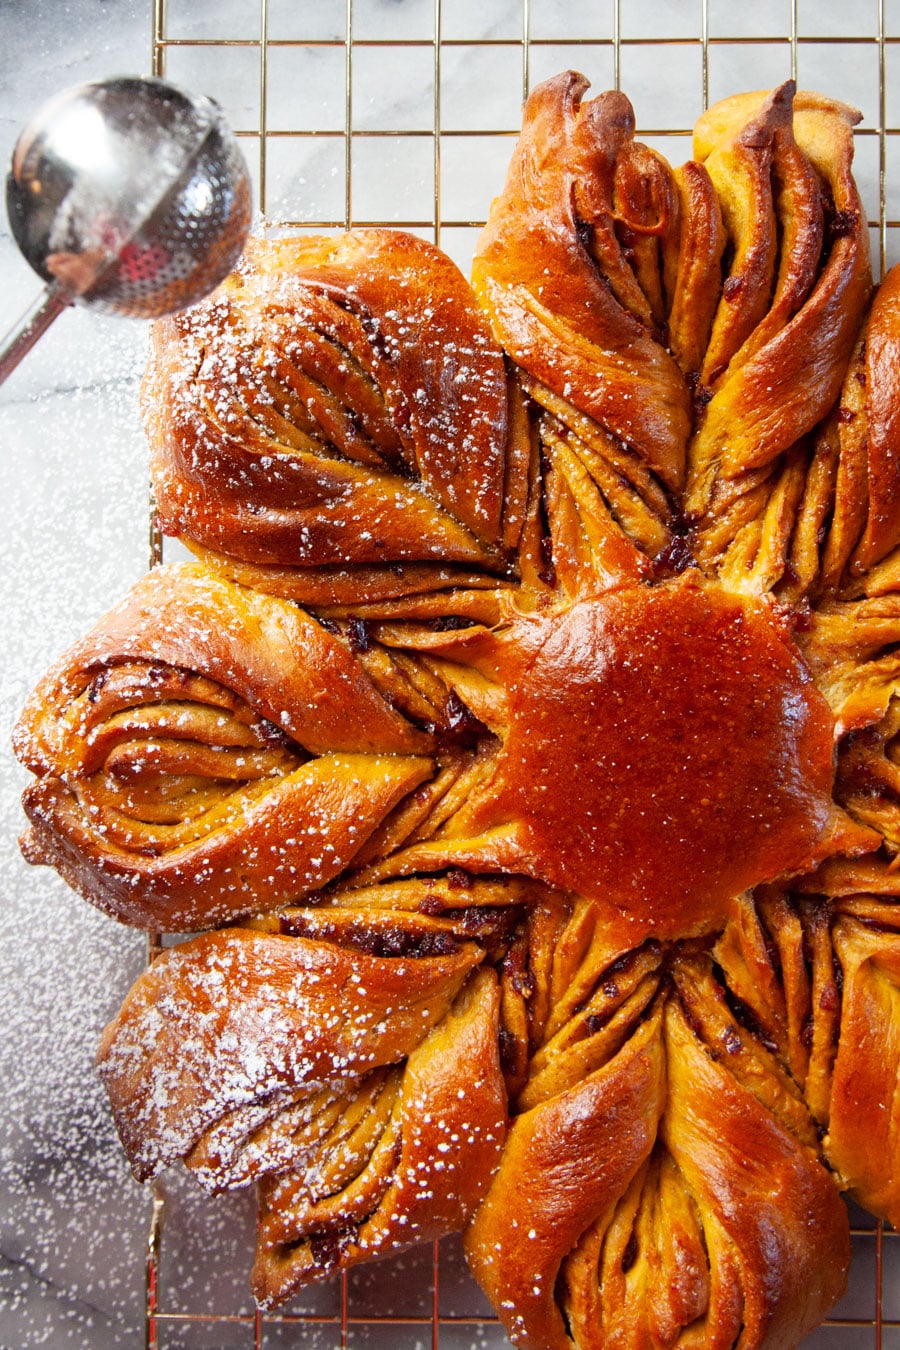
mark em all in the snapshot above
pixel 33 324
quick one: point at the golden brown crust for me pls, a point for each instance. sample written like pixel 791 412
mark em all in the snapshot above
pixel 449 1124
pixel 696 268
pixel 590 1205
pixel 584 693
pixel 882 425
pixel 564 1163
pixel 772 388
pixel 336 401
pixel 776 1229
pixel 191 763
pixel 680 1244
pixel 561 306
pixel 823 520
pixel 563 831
pixel 183 1051
pixel 864 1118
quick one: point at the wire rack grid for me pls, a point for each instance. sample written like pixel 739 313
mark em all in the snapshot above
pixel 403 113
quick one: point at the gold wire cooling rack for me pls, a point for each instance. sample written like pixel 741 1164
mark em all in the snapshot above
pixel 402 113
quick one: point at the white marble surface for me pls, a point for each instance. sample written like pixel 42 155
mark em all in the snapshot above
pixel 73 536
pixel 72 505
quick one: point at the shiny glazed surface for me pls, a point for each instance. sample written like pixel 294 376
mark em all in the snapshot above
pixel 667 750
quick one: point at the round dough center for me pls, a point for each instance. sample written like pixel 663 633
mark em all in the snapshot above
pixel 667 750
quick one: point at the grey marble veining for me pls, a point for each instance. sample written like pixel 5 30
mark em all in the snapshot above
pixel 73 512
pixel 72 502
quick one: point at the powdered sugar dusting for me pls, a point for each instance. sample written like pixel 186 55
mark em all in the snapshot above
pixel 72 486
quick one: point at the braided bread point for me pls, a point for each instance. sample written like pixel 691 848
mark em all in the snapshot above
pixel 555 837
pixel 536 275
pixel 207 751
pixel 425 1175
pixel 354 1060
pixel 660 1178
pixel 312 1013
pixel 860 440
pixel 336 403
pixel 861 1143
pixel 584 317
pixel 781 339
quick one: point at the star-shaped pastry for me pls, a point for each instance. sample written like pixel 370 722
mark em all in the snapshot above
pixel 522 748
